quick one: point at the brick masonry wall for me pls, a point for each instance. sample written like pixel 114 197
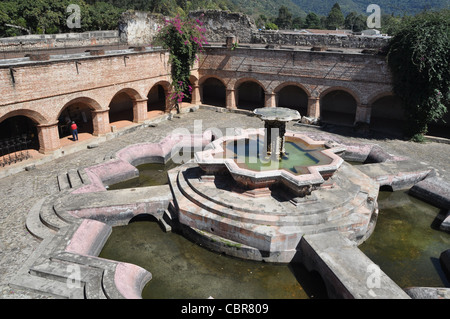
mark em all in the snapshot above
pixel 364 76
pixel 46 87
pixel 42 89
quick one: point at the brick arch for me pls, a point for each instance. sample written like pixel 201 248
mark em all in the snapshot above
pixel 247 99
pixel 339 112
pixel 164 83
pixel 216 95
pixel 341 88
pixel 240 81
pixel 373 98
pixel 290 83
pixel 121 110
pixel 91 103
pixel 132 93
pixel 206 77
pixel 292 99
pixel 157 103
pixel 193 79
pixel 36 117
pixel 387 114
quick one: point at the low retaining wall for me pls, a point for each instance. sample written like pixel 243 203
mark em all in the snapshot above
pixel 64 40
pixel 347 272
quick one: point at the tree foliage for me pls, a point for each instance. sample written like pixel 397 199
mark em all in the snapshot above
pixel 312 21
pixel 50 16
pixel 335 18
pixel 284 19
pixel 355 22
pixel 419 59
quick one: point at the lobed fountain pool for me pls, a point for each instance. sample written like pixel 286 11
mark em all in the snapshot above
pixel 251 154
pixel 404 244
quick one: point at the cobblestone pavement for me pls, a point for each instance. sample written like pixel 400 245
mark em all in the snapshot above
pixel 21 190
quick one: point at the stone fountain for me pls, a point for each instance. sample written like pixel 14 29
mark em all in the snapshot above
pixel 275 120
pixel 256 193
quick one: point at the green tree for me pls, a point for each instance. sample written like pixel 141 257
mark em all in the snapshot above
pixel 390 24
pixel 284 19
pixel 312 21
pixel 419 60
pixel 271 26
pixel 335 18
pixel 103 16
pixel 297 23
pixel 355 22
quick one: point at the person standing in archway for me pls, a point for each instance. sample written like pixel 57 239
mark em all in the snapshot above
pixel 74 129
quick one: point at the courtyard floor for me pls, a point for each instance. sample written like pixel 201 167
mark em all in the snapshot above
pixel 21 190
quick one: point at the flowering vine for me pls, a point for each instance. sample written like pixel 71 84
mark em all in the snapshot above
pixel 183 38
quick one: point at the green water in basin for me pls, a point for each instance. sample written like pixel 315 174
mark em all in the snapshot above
pixel 251 154
pixel 152 174
pixel 406 244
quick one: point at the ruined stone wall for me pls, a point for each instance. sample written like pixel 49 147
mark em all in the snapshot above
pixel 222 24
pixel 138 28
pixel 320 40
pixel 64 40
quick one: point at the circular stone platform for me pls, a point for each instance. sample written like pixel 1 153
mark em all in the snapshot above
pixel 268 224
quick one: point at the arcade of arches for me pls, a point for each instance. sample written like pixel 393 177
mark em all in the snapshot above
pixel 335 105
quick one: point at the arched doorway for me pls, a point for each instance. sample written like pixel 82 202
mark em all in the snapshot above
pixel 293 97
pixel 387 115
pixel 156 99
pixel 78 111
pixel 121 109
pixel 18 135
pixel 250 96
pixel 338 107
pixel 214 92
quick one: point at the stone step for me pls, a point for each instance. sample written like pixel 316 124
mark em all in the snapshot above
pixel 34 223
pixel 45 286
pixel 72 179
pixel 269 219
pixel 48 215
pixel 211 207
pixel 72 274
pixel 63 182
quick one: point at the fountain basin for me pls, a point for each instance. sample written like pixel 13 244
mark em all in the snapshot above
pixel 306 165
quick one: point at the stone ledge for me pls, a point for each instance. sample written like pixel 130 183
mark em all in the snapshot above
pixel 433 190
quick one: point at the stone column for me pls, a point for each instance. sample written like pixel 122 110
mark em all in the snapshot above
pixel 363 113
pixel 100 122
pixel 48 136
pixel 231 99
pixel 195 95
pixel 270 100
pixel 313 107
pixel 275 131
pixel 140 111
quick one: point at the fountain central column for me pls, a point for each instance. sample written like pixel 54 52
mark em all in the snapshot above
pixel 275 119
pixel 274 142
